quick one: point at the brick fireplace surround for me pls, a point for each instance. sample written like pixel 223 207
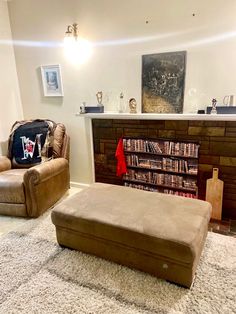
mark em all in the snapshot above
pixel 217 141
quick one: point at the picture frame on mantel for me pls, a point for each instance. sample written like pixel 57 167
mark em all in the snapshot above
pixel 163 82
pixel 52 80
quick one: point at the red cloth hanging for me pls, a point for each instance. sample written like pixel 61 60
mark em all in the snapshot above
pixel 120 156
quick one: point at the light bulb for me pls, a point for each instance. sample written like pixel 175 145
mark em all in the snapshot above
pixel 77 50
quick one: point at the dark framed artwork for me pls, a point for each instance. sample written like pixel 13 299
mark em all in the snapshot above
pixel 163 79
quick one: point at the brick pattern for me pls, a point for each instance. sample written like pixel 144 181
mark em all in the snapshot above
pixel 217 149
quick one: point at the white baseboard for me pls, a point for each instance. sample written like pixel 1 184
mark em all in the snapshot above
pixel 79 185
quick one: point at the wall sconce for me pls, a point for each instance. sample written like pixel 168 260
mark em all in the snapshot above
pixel 71 33
pixel 77 49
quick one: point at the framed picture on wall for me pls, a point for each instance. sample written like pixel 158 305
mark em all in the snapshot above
pixel 51 79
pixel 163 80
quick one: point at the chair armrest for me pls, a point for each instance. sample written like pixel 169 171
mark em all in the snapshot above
pixel 45 171
pixel 45 184
pixel 5 163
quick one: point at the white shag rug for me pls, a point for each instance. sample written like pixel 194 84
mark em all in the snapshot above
pixel 38 276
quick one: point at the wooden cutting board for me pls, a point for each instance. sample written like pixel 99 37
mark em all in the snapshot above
pixel 214 194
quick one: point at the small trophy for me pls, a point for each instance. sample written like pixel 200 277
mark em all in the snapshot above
pixel 213 110
pixel 99 98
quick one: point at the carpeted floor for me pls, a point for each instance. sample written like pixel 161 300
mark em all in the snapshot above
pixel 38 276
pixel 8 223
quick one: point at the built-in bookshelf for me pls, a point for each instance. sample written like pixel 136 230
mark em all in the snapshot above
pixel 161 165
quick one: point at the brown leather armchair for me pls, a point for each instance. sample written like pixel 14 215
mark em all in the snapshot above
pixel 31 191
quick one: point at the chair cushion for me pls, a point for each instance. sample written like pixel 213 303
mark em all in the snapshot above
pixel 11 186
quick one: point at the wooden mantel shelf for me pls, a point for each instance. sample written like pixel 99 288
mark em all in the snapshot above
pixel 155 116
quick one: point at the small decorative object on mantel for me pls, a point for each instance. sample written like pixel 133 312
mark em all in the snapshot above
pixel 82 107
pixel 229 100
pixel 132 105
pixel 201 111
pixel 99 108
pixel 213 110
pixel 99 98
pixel 121 107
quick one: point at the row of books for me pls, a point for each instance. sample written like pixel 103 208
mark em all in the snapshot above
pixel 141 187
pixel 166 191
pixel 167 164
pixel 161 147
pixel 161 179
pixel 180 193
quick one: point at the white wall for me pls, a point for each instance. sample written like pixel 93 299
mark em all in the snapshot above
pixel 10 103
pixel 121 36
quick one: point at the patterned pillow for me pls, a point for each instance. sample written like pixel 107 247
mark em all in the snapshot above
pixel 31 142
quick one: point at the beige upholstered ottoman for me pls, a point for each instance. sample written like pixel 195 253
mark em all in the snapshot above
pixel 153 232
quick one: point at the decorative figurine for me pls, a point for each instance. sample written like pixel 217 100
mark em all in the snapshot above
pixel 99 98
pixel 132 105
pixel 213 110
